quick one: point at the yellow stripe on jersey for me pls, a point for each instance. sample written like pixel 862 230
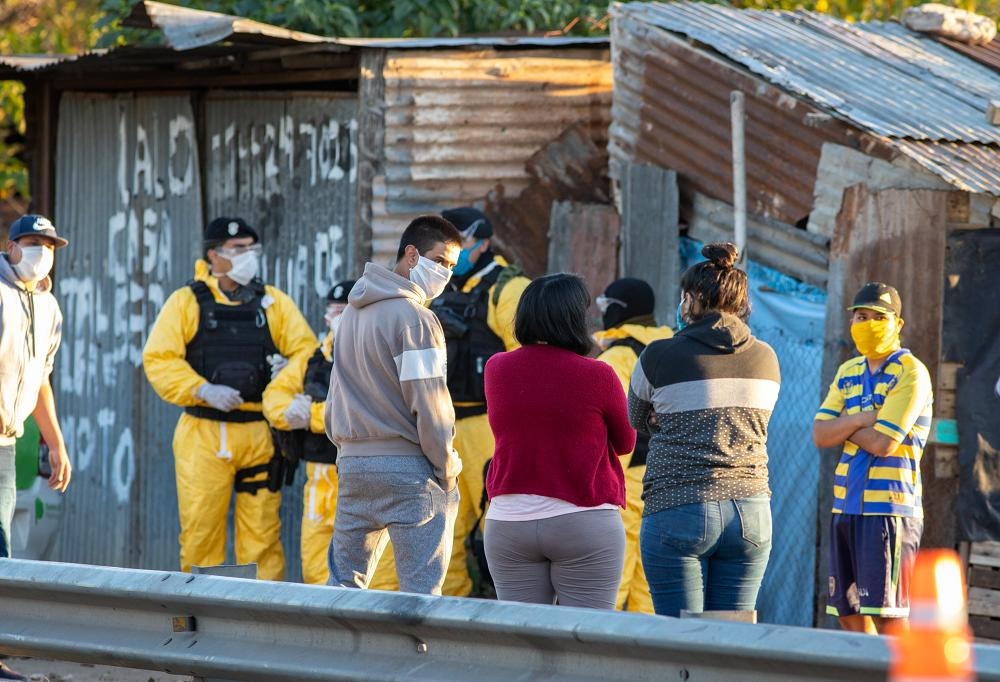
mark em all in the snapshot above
pixel 901 393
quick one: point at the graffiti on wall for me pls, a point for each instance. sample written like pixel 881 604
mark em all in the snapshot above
pixel 108 310
pixel 132 196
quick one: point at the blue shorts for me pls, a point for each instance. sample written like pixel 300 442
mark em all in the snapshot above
pixel 870 557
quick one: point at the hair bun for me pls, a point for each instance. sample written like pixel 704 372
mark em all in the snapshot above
pixel 723 255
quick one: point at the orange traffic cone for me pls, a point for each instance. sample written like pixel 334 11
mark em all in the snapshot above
pixel 937 646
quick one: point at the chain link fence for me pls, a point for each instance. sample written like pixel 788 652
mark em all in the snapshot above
pixel 786 596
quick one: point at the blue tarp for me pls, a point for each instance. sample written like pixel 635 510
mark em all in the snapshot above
pixel 790 316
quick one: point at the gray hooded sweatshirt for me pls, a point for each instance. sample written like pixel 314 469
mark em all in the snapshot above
pixel 30 332
pixel 388 390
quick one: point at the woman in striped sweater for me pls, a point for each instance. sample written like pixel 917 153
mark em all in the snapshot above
pixel 705 398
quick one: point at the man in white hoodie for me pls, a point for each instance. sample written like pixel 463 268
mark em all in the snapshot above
pixel 390 415
pixel 30 332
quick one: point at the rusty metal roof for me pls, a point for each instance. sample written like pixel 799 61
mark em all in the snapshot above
pixel 971 167
pixel 671 109
pixel 988 54
pixel 878 76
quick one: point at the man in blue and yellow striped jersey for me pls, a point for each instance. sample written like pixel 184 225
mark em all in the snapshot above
pixel 879 410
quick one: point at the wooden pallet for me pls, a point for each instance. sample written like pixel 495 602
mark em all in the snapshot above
pixel 984 590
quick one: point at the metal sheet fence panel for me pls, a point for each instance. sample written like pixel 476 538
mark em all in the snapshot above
pixel 583 239
pixel 128 197
pixel 459 123
pixel 287 163
pixel 650 206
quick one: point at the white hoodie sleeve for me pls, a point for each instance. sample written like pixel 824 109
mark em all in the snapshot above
pixel 421 363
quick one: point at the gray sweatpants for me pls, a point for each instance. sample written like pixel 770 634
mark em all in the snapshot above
pixel 397 498
pixel 575 559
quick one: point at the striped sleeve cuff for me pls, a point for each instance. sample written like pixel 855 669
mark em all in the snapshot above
pixel 824 414
pixel 890 429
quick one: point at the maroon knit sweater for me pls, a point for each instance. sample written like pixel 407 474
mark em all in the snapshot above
pixel 559 420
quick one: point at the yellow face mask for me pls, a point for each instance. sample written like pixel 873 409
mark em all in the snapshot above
pixel 875 338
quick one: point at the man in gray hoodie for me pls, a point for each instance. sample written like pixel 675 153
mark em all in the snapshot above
pixel 30 331
pixel 390 414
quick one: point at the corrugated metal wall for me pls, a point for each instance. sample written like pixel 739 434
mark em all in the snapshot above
pixel 287 163
pixel 671 109
pixel 458 123
pixel 128 197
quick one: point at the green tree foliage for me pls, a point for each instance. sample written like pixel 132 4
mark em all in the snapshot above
pixel 33 27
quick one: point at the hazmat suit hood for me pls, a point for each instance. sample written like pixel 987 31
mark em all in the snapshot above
pixel 722 332
pixel 379 284
pixel 644 334
pixel 203 273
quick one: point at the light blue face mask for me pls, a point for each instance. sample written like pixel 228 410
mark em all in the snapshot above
pixel 680 320
pixel 464 265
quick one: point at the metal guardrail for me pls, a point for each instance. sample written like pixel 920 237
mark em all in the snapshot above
pixel 252 630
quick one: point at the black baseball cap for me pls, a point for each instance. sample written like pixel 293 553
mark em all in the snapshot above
pixel 338 293
pixel 471 222
pixel 221 229
pixel 38 226
pixel 880 297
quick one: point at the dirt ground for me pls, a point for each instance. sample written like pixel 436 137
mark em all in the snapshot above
pixel 61 671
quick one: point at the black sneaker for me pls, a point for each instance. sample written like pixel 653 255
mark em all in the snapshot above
pixel 7 674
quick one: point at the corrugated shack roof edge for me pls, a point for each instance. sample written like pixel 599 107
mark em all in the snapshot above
pixel 187 28
pixel 924 96
pixel 196 33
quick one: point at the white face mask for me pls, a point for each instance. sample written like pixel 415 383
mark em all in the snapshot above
pixel 245 266
pixel 36 263
pixel 430 277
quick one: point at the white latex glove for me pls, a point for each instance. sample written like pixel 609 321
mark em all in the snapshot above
pixel 222 398
pixel 278 362
pixel 299 412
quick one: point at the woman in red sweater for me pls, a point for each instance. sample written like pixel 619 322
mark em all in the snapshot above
pixel 553 530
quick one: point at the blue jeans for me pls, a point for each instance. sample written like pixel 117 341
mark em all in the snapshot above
pixel 707 556
pixel 8 495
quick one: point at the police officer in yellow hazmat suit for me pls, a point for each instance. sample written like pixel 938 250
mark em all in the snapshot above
pixel 208 353
pixel 294 403
pixel 629 326
pixel 477 314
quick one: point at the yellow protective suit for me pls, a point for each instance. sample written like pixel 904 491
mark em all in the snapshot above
pixel 473 436
pixel 207 453
pixel 634 590
pixel 319 496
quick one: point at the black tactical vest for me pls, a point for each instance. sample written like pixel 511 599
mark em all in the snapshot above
pixel 641 439
pixel 470 342
pixel 316 447
pixel 231 349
